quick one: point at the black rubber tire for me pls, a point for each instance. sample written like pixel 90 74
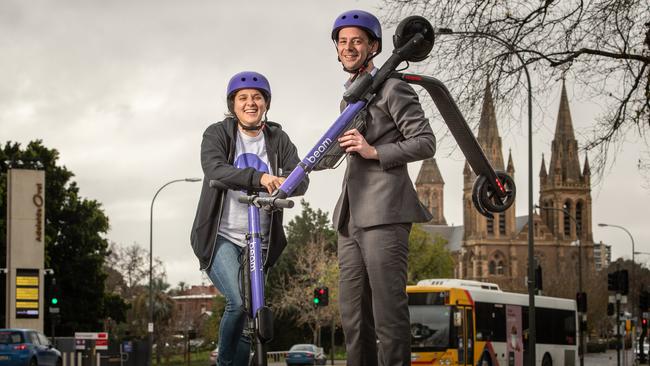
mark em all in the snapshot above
pixel 489 198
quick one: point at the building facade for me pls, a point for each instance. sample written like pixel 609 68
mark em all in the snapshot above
pixel 496 250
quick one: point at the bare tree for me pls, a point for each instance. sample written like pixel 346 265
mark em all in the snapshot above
pixel 601 46
pixel 132 264
pixel 314 266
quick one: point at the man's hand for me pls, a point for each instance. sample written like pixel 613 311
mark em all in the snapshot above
pixel 271 182
pixel 353 141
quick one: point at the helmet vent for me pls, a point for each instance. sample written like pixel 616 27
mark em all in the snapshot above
pixel 254 79
pixel 356 16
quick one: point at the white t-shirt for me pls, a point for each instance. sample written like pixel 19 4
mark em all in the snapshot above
pixel 250 152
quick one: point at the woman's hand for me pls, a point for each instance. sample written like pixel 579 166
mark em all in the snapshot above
pixel 271 182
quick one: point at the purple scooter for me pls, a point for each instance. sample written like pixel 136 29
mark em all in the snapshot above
pixel 260 317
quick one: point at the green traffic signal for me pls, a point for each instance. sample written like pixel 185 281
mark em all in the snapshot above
pixel 316 301
pixel 55 301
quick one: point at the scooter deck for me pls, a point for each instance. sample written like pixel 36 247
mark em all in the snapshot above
pixel 458 127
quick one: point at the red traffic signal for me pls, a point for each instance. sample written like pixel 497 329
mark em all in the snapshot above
pixel 321 296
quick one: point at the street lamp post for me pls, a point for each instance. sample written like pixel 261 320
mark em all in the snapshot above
pixel 582 316
pixel 150 325
pixel 531 240
pixel 632 279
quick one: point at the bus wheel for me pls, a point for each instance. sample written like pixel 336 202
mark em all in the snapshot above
pixel 485 360
pixel 547 361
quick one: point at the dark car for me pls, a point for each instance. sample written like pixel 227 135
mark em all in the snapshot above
pixel 306 354
pixel 214 354
pixel 27 347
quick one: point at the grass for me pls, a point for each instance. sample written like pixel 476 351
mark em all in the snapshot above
pixel 199 358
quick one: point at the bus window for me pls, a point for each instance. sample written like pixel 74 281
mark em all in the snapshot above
pixel 430 327
pixel 490 322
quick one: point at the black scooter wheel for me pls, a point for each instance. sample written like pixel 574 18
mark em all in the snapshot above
pixel 489 197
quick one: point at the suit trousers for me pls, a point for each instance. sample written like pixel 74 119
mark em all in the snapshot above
pixel 372 294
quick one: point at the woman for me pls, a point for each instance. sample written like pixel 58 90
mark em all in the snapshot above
pixel 244 151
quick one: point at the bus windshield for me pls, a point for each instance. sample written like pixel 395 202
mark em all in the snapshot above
pixel 430 327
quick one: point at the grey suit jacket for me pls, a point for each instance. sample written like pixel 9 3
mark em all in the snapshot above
pixel 379 192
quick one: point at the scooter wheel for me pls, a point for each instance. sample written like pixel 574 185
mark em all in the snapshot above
pixel 489 197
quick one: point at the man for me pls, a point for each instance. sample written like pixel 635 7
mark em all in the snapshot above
pixel 378 204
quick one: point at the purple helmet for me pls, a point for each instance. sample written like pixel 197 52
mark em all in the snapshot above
pixel 361 19
pixel 249 80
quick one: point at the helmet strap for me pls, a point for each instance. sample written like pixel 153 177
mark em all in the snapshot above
pixel 254 128
pixel 361 68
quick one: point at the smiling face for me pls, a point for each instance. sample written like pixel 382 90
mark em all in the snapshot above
pixel 249 105
pixel 354 47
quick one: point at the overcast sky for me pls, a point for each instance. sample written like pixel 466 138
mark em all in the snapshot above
pixel 124 90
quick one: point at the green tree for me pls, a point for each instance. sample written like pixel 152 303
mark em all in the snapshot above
pixel 428 258
pixel 75 246
pixel 308 260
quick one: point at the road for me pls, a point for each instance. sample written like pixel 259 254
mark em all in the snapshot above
pixel 591 359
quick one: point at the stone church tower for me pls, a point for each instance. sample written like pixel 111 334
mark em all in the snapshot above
pixel 430 188
pixel 565 186
pixel 496 250
pixel 476 225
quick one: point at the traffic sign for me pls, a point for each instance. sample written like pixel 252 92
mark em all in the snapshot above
pixel 90 335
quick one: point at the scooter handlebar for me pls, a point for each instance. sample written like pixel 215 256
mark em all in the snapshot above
pixel 272 202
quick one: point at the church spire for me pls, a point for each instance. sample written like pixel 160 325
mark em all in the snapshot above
pixel 564 165
pixel 542 170
pixel 488 131
pixel 429 173
pixel 430 188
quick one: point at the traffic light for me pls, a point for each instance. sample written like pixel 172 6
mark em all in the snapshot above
pixel 581 300
pixel 325 296
pixel 316 298
pixel 644 299
pixel 54 296
pixel 321 296
pixel 612 281
pixel 644 325
pixel 623 282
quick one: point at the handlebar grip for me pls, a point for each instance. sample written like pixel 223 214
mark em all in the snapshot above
pixel 282 203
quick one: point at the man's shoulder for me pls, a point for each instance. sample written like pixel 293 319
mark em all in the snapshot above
pixel 395 84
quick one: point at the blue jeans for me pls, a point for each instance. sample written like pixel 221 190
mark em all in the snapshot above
pixel 234 347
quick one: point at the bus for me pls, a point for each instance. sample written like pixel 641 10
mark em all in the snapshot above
pixel 460 322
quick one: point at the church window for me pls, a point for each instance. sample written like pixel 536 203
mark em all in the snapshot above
pixel 492 268
pixel 548 215
pixel 501 268
pixel 502 224
pixel 490 225
pixel 567 219
pixel 579 208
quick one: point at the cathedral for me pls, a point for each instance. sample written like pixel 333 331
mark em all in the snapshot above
pixel 496 250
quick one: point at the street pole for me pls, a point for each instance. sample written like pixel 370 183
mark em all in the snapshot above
pixel 631 294
pixel 150 325
pixel 581 316
pixel 531 239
